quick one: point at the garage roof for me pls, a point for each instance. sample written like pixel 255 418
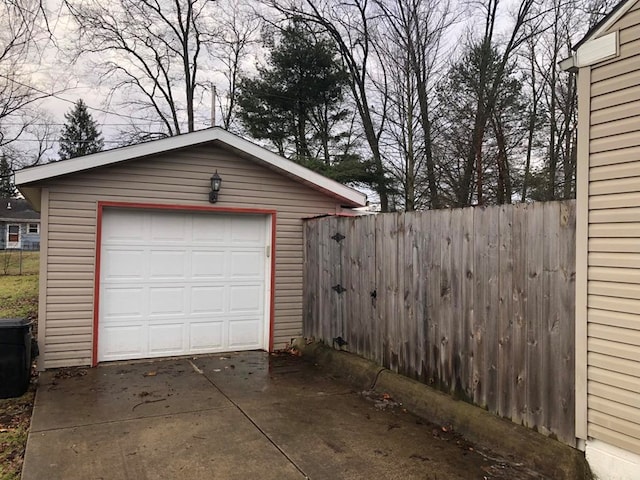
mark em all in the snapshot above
pixel 28 176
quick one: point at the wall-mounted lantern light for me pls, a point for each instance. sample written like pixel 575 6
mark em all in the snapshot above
pixel 216 181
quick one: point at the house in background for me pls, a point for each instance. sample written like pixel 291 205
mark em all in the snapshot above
pixel 142 257
pixel 19 225
pixel 607 62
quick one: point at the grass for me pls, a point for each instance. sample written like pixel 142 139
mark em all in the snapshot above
pixel 16 262
pixel 15 419
pixel 18 298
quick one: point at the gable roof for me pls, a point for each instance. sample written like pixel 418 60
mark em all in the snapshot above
pixel 609 19
pixel 26 179
pixel 595 46
pixel 17 210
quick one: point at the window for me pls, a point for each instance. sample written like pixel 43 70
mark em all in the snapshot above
pixel 13 234
pixel 33 228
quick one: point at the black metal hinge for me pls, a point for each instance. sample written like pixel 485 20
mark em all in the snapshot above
pixel 339 288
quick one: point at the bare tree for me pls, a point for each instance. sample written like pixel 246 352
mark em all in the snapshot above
pixel 490 77
pixel 416 29
pixel 353 26
pixel 150 50
pixel 22 26
pixel 239 32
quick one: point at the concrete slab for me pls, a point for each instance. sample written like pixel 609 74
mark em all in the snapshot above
pixel 246 415
pixel 73 397
pixel 200 445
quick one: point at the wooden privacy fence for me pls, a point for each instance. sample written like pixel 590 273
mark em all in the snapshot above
pixel 478 302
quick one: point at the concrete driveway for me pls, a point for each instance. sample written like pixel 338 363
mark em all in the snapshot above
pixel 235 416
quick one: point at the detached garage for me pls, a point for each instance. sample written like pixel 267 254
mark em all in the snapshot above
pixel 137 262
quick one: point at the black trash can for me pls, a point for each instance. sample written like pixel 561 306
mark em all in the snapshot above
pixel 15 356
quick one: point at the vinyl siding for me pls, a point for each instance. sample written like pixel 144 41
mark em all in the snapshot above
pixel 613 272
pixel 180 178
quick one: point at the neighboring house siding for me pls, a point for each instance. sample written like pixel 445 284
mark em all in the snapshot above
pixel 28 241
pixel 177 178
pixel 613 297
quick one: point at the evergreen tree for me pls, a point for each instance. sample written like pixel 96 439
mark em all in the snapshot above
pixel 80 135
pixel 297 103
pixel 7 189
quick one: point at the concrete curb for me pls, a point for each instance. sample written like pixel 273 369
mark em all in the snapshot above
pixel 523 445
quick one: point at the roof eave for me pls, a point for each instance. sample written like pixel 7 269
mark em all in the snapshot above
pixel 25 179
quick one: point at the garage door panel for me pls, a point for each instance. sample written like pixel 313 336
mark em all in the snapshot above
pixel 165 301
pixel 124 302
pixel 167 264
pixel 206 336
pixel 166 338
pixel 122 341
pixel 127 227
pixel 245 333
pixel 122 264
pixel 247 264
pixel 244 232
pixel 245 298
pixel 209 229
pixel 208 264
pixel 207 300
pixel 181 283
pixel 171 228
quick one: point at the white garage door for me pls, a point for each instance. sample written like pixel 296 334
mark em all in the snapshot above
pixel 175 283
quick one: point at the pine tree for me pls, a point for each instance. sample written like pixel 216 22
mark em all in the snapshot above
pixel 7 189
pixel 80 135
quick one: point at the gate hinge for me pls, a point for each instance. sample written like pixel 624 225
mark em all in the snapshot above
pixel 339 288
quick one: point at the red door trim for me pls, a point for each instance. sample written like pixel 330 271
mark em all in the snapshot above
pixel 188 208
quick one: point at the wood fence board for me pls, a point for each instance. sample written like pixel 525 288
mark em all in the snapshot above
pixel 409 321
pixel 433 302
pixel 536 334
pixel 445 309
pixel 381 298
pixel 492 332
pixel 467 297
pixel 457 349
pixel 551 314
pixel 519 331
pixel 481 345
pixel 505 369
pixel 422 299
pixel 565 414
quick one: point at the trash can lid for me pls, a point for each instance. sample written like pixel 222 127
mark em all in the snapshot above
pixel 14 322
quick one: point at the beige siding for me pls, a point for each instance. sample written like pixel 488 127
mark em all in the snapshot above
pixel 178 178
pixel 613 274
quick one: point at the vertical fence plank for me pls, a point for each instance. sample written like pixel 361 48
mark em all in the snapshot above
pixel 467 298
pixel 457 350
pixel 505 312
pixel 445 310
pixel 309 279
pixel 519 331
pixel 380 328
pixel 481 250
pixel 409 321
pixel 492 333
pixel 536 336
pixel 564 404
pixel 422 296
pixel 433 288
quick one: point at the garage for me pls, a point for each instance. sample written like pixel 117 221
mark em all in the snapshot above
pixel 144 255
pixel 177 283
